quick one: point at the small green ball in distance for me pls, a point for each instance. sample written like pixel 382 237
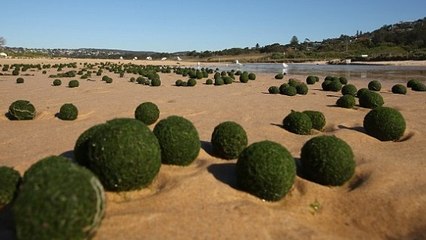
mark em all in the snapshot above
pixel 252 76
pixel 346 101
pixel 298 122
pixel 371 100
pixel 124 154
pixel 244 77
pixel 302 89
pixel 178 82
pixel 68 111
pixel 311 80
pixel 57 82
pixel 419 87
pixel 191 82
pixel 294 82
pixel 326 85
pixel 335 86
pixel 109 80
pixel 266 170
pixel 385 124
pixel 374 85
pixel 361 92
pixel 317 119
pixel 327 160
pixel 21 110
pixel 10 180
pixel 228 140
pixel 343 80
pixel 65 200
pixel 273 90
pixel 279 76
pixel 399 89
pixel 219 81
pixel 19 80
pixel 155 82
pixel 412 82
pixel 147 112
pixel 228 80
pixel 179 140
pixel 73 84
pixel 209 82
pixel 349 89
pixel 289 91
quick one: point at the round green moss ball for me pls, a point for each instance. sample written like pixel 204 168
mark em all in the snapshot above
pixel 58 200
pixel 289 91
pixel 21 110
pixel 311 80
pixel 179 140
pixel 124 154
pixel 346 101
pixel 266 169
pixel 108 80
pixel 244 77
pixel 57 82
pixel 283 87
pixel 147 112
pixel 349 89
pixel 178 82
pixel 209 81
pixel 335 86
pixel 279 76
pixel 327 160
pixel 317 119
pixel 81 147
pixel 228 140
pixel 343 80
pixel 155 82
pixel 412 82
pixel 361 92
pixel 371 100
pixel 252 76
pixel 302 89
pixel 273 90
pixel 419 86
pixel 294 82
pixel 192 82
pixel 385 124
pixel 68 111
pixel 19 80
pixel 9 179
pixel 73 84
pixel 374 85
pixel 298 122
pixel 219 81
pixel 399 89
pixel 326 85
pixel 228 80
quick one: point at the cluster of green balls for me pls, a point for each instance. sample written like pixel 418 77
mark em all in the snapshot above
pixel 303 122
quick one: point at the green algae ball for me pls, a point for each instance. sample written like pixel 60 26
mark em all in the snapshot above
pixel 349 89
pixel 19 80
pixel 412 82
pixel 73 84
pixel 302 89
pixel 209 81
pixel 361 92
pixel 346 101
pixel 219 81
pixel 311 80
pixel 57 82
pixel 279 76
pixel 371 100
pixel 21 110
pixel 244 77
pixel 419 86
pixel 58 200
pixel 68 111
pixel 289 91
pixel 266 169
pixel 147 112
pixel 385 124
pixel 298 122
pixel 191 82
pixel 81 147
pixel 9 179
pixel 179 140
pixel 327 160
pixel 228 140
pixel 374 85
pixel 273 90
pixel 399 89
pixel 343 80
pixel 252 76
pixel 317 119
pixel 124 154
pixel 335 86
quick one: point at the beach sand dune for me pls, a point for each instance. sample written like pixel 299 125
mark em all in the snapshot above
pixel 386 199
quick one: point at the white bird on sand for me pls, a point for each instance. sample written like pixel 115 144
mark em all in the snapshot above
pixel 164 59
pixel 179 59
pixel 285 70
pixel 149 58
pixel 198 65
pixel 238 62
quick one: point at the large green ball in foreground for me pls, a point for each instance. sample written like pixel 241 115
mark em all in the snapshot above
pixel 21 110
pixel 298 122
pixel 58 200
pixel 68 111
pixel 81 147
pixel 266 169
pixel 179 140
pixel 147 112
pixel 327 160
pixel 9 181
pixel 385 124
pixel 124 154
pixel 228 140
pixel 371 100
pixel 317 118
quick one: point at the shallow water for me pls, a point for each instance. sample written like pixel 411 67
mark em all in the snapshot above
pixel 379 72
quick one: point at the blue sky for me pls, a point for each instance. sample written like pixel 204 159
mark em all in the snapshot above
pixel 170 26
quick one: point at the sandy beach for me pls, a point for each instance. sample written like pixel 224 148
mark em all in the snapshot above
pixel 386 199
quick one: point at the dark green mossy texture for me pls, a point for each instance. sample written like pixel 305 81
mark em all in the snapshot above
pixel 58 200
pixel 302 89
pixel 361 92
pixel 385 124
pixel 244 77
pixel 57 82
pixel 311 80
pixel 68 112
pixel 178 82
pixel 81 147
pixel 374 85
pixel 229 139
pixel 343 80
pixel 266 169
pixel 327 160
pixel 19 80
pixel 289 91
pixel 412 82
pixel 9 182
pixel 317 118
pixel 192 82
pixel 209 81
pixel 124 154
pixel 21 110
pixel 228 80
pixel 252 76
pixel 346 101
pixel 279 76
pixel 419 87
pixel 155 82
pixel 399 89
pixel 73 83
pixel 349 89
pixel 179 140
pixel 371 100
pixel 219 81
pixel 298 122
pixel 147 112
pixel 334 86
pixel 273 90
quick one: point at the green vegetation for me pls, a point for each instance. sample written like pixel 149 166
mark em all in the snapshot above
pixel 327 160
pixel 273 90
pixel 266 169
pixel 228 140
pixel 399 89
pixel 370 99
pixel 374 85
pixel 302 89
pixel 385 124
pixel 311 80
pixel 73 84
pixel 191 82
pixel 244 77
pixel 279 76
pixel 10 180
pixel 179 140
pixel 147 112
pixel 317 119
pixel 252 76
pixel 209 81
pixel 68 111
pixel 298 122
pixel 346 101
pixel 288 90
pixel 57 82
pixel 419 86
pixel 349 89
pixel 19 80
pixel 21 110
pixel 58 200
